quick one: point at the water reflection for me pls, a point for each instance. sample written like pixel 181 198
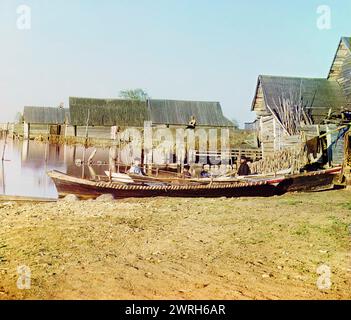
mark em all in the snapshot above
pixel 23 173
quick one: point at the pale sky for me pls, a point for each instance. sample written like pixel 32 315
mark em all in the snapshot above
pixel 174 49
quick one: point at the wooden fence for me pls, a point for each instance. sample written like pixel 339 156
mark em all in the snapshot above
pixel 234 154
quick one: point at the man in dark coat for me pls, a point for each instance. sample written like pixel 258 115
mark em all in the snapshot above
pixel 244 169
pixel 192 123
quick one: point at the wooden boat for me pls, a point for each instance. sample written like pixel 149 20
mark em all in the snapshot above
pixel 305 182
pixel 85 189
pixel 308 182
pixel 156 187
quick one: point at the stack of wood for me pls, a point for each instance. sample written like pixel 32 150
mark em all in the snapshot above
pixel 347 149
pixel 347 160
pixel 292 113
pixel 290 160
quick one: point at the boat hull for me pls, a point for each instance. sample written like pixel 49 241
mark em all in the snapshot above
pixel 310 182
pixel 86 189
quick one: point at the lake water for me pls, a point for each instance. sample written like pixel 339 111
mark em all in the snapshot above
pixel 23 173
pixel 24 170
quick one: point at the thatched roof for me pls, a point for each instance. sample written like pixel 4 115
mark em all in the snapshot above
pixel 46 115
pixel 107 112
pixel 178 112
pixel 317 95
pixel 133 113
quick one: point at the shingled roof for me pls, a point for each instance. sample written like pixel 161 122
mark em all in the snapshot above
pixel 109 112
pixel 317 95
pixel 46 115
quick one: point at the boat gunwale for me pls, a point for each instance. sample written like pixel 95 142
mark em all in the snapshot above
pixel 113 185
pixel 212 185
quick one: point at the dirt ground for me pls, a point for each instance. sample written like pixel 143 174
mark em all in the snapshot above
pixel 166 248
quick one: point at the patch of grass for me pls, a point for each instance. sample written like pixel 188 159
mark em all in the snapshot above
pixel 338 226
pixel 346 205
pixel 302 230
pixel 291 202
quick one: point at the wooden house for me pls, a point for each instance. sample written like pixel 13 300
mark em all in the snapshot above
pixel 286 107
pixel 130 113
pixel 51 120
pixel 340 70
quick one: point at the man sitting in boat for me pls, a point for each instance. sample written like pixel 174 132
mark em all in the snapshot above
pixel 186 172
pixel 204 173
pixel 244 169
pixel 136 169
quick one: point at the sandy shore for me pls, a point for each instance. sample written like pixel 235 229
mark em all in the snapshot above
pixel 178 248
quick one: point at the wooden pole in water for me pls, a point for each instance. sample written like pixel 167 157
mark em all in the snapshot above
pixel 46 144
pixel 87 129
pixel 86 142
pixel 2 160
pixel 26 131
pixel 5 142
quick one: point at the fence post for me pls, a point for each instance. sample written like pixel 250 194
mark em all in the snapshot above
pixel 26 131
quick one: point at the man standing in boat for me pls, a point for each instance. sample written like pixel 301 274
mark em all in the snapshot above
pixel 244 169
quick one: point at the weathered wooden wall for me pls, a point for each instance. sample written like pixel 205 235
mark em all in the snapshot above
pixel 341 68
pixel 336 145
pixel 46 115
pixel 266 135
pixel 334 137
pixel 273 137
pixel 345 77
